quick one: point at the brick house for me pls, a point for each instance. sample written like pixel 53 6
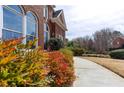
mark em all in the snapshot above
pixel 32 21
pixel 118 42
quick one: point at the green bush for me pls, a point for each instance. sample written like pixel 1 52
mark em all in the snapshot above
pixel 118 54
pixel 55 44
pixel 78 51
pixel 68 55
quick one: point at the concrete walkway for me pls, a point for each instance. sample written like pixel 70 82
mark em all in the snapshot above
pixel 90 74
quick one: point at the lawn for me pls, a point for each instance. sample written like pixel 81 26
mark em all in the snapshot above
pixel 114 65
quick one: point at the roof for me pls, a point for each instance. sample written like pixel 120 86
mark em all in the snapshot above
pixel 58 17
pixel 56 13
pixel 119 37
pixel 122 37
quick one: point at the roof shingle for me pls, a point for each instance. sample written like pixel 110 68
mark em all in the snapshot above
pixel 56 13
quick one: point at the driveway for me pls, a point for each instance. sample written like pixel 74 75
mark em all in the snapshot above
pixel 90 74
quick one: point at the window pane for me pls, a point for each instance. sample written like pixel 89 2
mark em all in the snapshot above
pixel 45 39
pixel 31 28
pixel 10 35
pixel 46 27
pixel 46 35
pixel 28 38
pixel 11 20
pixel 16 8
pixel 31 16
pixel 46 12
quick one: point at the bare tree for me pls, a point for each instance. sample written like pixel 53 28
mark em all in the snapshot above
pixel 103 39
pixel 100 41
pixel 83 42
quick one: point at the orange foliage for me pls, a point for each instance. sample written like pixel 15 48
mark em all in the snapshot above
pixel 7 49
pixel 60 69
pixel 34 67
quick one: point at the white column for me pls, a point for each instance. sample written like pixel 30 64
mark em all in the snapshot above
pixel 1 20
pixel 37 34
pixel 24 29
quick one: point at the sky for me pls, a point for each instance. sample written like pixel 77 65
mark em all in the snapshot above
pixel 88 17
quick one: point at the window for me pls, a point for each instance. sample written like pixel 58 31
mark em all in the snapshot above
pixel 46 35
pixel 31 27
pixel 61 37
pixel 12 22
pixel 118 42
pixel 46 11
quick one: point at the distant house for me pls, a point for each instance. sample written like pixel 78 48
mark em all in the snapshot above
pixel 32 21
pixel 118 42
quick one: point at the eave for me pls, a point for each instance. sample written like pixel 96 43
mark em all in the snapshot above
pixel 58 21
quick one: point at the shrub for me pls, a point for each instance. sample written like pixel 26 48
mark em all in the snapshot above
pixel 68 48
pixel 61 71
pixel 78 51
pixel 22 68
pixel 34 67
pixel 96 55
pixel 68 56
pixel 118 54
pixel 55 44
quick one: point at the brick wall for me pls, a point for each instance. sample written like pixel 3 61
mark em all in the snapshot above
pixel 118 42
pixel 55 30
pixel 59 31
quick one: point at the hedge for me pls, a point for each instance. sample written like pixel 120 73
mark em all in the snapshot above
pixel 117 54
pixel 96 55
pixel 78 51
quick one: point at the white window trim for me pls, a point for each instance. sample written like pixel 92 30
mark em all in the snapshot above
pixel 45 30
pixel 37 34
pixel 10 30
pixel 24 28
pixel 1 21
pixel 45 12
pixel 61 37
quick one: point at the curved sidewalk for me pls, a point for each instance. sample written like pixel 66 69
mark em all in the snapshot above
pixel 90 74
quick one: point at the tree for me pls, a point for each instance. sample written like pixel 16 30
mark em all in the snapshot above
pixel 99 42
pixel 83 42
pixel 103 39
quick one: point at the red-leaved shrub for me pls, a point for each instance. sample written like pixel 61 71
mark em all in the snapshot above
pixel 60 70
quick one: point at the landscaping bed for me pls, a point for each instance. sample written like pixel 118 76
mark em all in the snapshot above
pixel 114 65
pixel 35 67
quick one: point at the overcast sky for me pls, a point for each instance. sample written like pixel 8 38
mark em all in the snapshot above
pixel 86 18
